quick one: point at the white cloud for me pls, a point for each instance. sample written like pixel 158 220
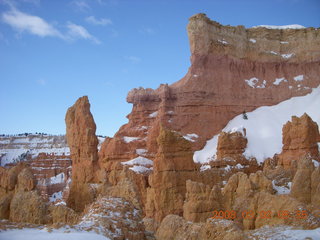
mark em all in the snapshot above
pixel 78 32
pixel 23 22
pixel 133 59
pixel 102 21
pixel 32 24
pixel 81 5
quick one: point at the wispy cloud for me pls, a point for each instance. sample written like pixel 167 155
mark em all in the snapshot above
pixel 35 2
pixel 147 30
pixel 23 22
pixel 42 82
pixel 81 5
pixel 101 21
pixel 133 59
pixel 78 32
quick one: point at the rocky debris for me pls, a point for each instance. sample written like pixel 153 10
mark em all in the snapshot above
pixel 300 138
pixel 115 218
pixel 201 201
pixel 175 227
pixel 62 215
pixel 83 144
pixel 28 207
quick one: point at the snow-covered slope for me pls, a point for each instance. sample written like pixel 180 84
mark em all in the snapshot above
pixel 19 148
pixel 264 127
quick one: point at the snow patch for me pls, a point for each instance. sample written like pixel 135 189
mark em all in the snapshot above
pixel 153 115
pixel 141 151
pixel 264 127
pixel 224 42
pixel 138 161
pixel 140 169
pixel 298 78
pixel 293 26
pixel 44 234
pixel 56 196
pixel 191 137
pixel 281 189
pixel 130 139
pixel 279 80
pixel 288 55
pixel 283 42
pixel 252 40
pixel 252 82
pixel 204 168
pixel 316 163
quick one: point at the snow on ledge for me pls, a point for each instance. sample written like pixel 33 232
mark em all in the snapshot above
pixel 141 169
pixel 264 127
pixel 153 115
pixel 191 137
pixel 298 78
pixel 138 161
pixel 279 80
pixel 293 26
pixel 252 82
pixel 130 139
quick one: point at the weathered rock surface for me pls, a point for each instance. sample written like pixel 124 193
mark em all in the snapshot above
pixel 177 228
pixel 28 207
pixel 83 145
pixel 173 166
pixel 201 201
pixel 61 215
pixel 300 139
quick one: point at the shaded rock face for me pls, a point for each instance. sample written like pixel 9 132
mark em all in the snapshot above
pixel 83 144
pixel 201 201
pixel 300 139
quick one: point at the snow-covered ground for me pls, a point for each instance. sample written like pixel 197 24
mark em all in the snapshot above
pixel 284 233
pixel 44 234
pixel 264 127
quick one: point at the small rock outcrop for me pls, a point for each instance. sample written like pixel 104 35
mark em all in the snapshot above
pixel 300 139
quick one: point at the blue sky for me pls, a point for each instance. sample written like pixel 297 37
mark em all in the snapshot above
pixel 52 52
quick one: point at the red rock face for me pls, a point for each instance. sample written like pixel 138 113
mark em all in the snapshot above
pixel 232 69
pixel 299 138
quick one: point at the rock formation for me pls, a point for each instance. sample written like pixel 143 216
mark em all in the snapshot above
pixel 83 145
pixel 300 139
